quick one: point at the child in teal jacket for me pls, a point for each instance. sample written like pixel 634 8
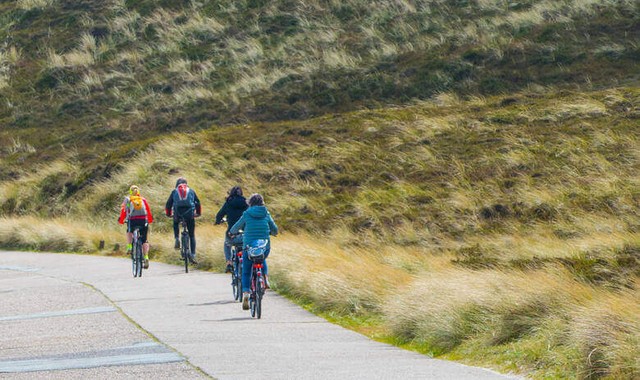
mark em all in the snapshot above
pixel 257 223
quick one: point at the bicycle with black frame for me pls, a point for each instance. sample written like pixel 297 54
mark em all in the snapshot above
pixel 235 242
pixel 136 253
pixel 256 252
pixel 185 245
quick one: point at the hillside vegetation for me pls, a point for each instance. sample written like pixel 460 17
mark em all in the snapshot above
pixel 104 77
pixel 455 177
pixel 498 231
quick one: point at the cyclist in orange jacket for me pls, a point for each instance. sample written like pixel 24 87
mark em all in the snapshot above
pixel 136 212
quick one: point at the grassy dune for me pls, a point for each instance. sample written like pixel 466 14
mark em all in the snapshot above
pixel 105 78
pixel 497 231
pixel 459 177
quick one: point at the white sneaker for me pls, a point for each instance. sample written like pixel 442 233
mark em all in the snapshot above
pixel 245 301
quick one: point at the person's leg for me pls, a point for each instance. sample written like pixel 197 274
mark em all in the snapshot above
pixel 144 235
pixel 144 232
pixel 246 282
pixel 176 232
pixel 176 227
pixel 227 249
pixel 191 227
pixel 227 253
pixel 264 264
pixel 264 267
pixel 129 237
pixel 246 274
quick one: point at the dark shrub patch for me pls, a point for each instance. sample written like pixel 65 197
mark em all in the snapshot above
pixel 475 257
pixel 99 31
pixel 279 24
pixel 495 211
pixel 52 186
pixel 363 223
pixel 544 212
pixel 52 77
pixel 9 206
pixel 592 268
pixel 520 321
pixel 347 180
pixel 307 174
pixel 529 264
pixel 475 56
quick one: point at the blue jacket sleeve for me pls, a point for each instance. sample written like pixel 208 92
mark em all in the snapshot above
pixel 273 229
pixel 196 200
pixel 238 226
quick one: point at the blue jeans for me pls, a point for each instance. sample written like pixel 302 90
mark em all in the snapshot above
pixel 246 269
pixel 227 248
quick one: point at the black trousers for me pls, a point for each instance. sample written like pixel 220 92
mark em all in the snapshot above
pixel 144 228
pixel 191 228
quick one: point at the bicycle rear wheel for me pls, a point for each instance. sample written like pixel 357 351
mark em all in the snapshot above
pixel 186 254
pixel 137 259
pixel 134 265
pixel 252 296
pixel 234 283
pixel 259 293
pixel 238 288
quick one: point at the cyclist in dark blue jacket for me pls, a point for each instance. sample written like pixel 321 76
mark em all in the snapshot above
pixel 233 207
pixel 257 224
pixel 183 203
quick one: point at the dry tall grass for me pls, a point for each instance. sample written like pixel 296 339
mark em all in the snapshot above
pixel 500 230
pixel 35 4
pixel 62 234
pixel 566 326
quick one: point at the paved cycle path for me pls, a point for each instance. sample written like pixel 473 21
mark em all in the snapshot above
pixel 194 329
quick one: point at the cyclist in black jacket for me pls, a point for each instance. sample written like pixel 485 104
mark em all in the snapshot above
pixel 233 207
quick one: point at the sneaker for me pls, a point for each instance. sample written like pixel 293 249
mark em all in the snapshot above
pixel 145 263
pixel 245 301
pixel 177 245
pixel 266 283
pixel 192 260
pixel 129 251
pixel 229 269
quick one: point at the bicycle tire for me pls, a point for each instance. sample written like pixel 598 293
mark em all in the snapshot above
pixel 234 280
pixel 139 257
pixel 259 293
pixel 239 287
pixel 135 264
pixel 134 269
pixel 186 254
pixel 252 296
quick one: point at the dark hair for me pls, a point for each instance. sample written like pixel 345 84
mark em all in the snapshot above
pixel 256 200
pixel 235 191
pixel 181 180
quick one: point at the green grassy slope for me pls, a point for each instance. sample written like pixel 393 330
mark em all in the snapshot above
pixel 93 75
pixel 482 155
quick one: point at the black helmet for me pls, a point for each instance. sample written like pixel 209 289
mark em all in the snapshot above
pixel 181 180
